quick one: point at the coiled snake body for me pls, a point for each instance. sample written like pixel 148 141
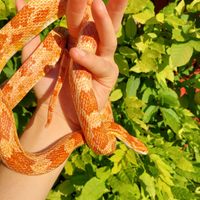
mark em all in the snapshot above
pixel 98 129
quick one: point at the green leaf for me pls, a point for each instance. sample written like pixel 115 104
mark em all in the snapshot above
pixel 182 193
pixel 133 110
pixel 146 17
pixel 167 73
pixel 178 35
pixel 69 168
pixel 171 119
pixel 168 98
pixel 80 179
pixel 194 6
pixel 105 1
pixel 169 10
pixel 159 45
pixel 3 10
pixel 135 6
pixel 117 167
pixel 79 164
pixel 175 21
pixel 10 7
pixel 103 173
pixel 136 120
pixel 149 113
pixel 176 155
pixel 2 17
pixel 128 52
pixel 54 195
pixel 93 189
pixel 134 114
pixel 145 65
pixel 128 191
pixel 130 28
pixel 180 7
pixel 63 22
pixel 160 17
pixel 133 102
pixel 122 64
pixel 164 187
pixel 66 188
pixel 87 158
pixel 163 168
pixel 127 176
pixel 132 86
pixel 116 95
pixel 181 54
pixel 195 44
pixel 9 71
pixel 148 181
pixel 151 53
pixel 148 95
pixel 130 155
pixel 118 155
pixel 184 164
pixel 189 175
pixel 142 42
pixel 120 35
pixel 197 154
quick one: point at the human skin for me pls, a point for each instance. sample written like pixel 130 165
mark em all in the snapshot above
pixel 14 186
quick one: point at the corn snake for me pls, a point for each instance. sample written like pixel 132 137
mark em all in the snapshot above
pixel 99 130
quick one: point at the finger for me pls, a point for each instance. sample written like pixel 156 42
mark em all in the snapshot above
pixel 33 44
pixel 116 9
pixel 107 38
pixel 103 71
pixel 74 15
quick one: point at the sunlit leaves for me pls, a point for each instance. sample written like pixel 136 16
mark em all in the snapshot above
pixel 164 169
pixel 128 52
pixel 180 7
pixel 194 6
pixel 181 54
pixel 135 6
pixel 116 95
pixel 182 193
pixel 146 17
pixel 120 35
pixel 148 183
pixel 122 64
pixel 2 10
pixel 133 105
pixel 93 189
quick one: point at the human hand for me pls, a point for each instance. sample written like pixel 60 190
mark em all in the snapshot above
pixel 104 71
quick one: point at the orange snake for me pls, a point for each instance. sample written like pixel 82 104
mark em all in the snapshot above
pixel 98 128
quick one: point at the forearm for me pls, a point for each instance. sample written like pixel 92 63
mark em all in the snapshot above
pixel 35 138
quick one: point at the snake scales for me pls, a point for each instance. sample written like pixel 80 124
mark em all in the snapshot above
pixel 98 129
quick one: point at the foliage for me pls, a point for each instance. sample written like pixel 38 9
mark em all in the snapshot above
pixel 157 55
